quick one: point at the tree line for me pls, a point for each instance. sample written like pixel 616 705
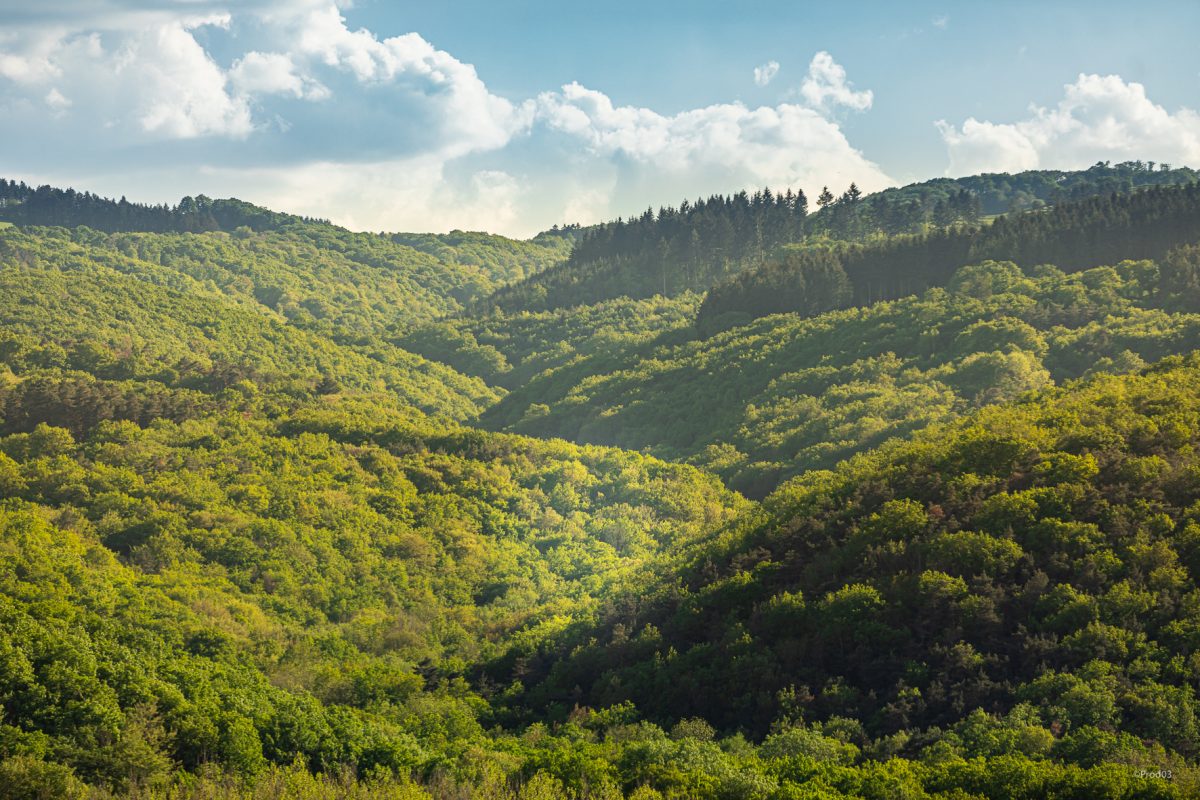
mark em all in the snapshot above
pixel 1072 236
pixel 47 205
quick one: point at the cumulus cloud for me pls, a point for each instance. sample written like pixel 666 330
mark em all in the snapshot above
pixel 412 194
pixel 764 74
pixel 155 80
pixel 1099 118
pixel 57 101
pixel 289 105
pixel 274 73
pixel 469 117
pixel 182 92
pixel 826 86
pixel 787 144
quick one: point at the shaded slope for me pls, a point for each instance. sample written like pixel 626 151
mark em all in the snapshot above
pixel 1044 554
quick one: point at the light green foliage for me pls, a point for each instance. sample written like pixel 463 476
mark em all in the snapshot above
pixel 786 394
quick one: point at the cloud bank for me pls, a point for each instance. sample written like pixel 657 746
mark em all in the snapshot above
pixel 288 105
pixel 1099 118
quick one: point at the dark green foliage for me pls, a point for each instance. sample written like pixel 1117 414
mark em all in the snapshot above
pixel 668 253
pixel 310 582
pixel 947 201
pixel 1072 236
pixel 807 282
pixel 701 244
pixel 47 205
pixel 1036 560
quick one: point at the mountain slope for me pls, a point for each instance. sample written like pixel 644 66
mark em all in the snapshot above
pixel 402 277
pixel 1038 561
pixel 701 244
pixel 66 303
pixel 1073 236
pixel 940 201
pixel 249 549
pixel 269 580
pixel 789 393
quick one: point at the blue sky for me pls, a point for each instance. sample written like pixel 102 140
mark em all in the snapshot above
pixel 513 116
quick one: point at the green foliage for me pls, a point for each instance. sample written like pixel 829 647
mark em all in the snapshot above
pixel 1014 584
pixel 711 241
pixel 944 201
pixel 1106 229
pixel 78 300
pixel 677 250
pixel 249 549
pixel 788 393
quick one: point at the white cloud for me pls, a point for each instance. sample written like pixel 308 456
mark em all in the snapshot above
pixel 303 112
pixel 25 57
pixel 986 147
pixel 764 74
pixel 405 194
pixel 1099 118
pixel 155 80
pixel 589 202
pixel 787 144
pixel 941 21
pixel 470 116
pixel 182 91
pixel 274 73
pixel 826 86
pixel 57 101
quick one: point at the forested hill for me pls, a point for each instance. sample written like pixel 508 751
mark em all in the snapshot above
pixel 208 311
pixel 1023 581
pixel 702 243
pixel 47 205
pixel 485 261
pixel 788 393
pixel 1106 229
pixel 941 201
pixel 280 517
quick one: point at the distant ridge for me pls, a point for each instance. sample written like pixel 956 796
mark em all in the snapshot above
pixel 46 205
pixel 706 242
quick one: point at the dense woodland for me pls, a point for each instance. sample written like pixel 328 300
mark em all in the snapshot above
pixel 47 205
pixel 1024 575
pixel 788 393
pixel 702 243
pixel 292 512
pixel 944 201
pixel 1071 236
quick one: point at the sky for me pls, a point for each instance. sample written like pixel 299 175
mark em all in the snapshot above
pixel 511 117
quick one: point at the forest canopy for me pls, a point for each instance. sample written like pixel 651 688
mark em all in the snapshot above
pixel 743 500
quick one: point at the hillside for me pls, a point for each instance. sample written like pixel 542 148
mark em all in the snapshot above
pixel 307 580
pixel 285 512
pixel 787 393
pixel 942 201
pixel 430 273
pixel 1073 236
pixel 1020 581
pixel 709 241
pixel 109 305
